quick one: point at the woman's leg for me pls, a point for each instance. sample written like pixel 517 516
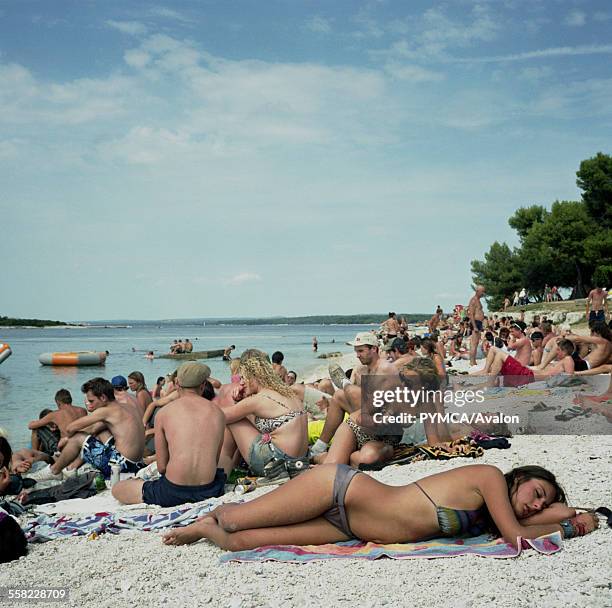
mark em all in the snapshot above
pixel 243 433
pixel 371 453
pixel 301 499
pixel 343 446
pixel 314 532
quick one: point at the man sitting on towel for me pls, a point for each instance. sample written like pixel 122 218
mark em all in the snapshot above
pixel 188 437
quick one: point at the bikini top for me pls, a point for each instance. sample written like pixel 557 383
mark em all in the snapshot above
pixel 458 522
pixel 267 425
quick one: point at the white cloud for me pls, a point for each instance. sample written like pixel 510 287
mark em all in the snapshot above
pixel 169 13
pixel 133 28
pixel 562 51
pixel 536 73
pixel 243 277
pixel 413 73
pixel 575 18
pixel 319 24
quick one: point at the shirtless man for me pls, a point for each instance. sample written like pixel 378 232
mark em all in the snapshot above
pixel 277 365
pixel 537 338
pixel 499 361
pixel 476 316
pixel 120 388
pixel 348 396
pixel 398 352
pixel 516 374
pixel 227 352
pixel 113 431
pixel 188 346
pixel 597 305
pixel 432 324
pixel 61 418
pixel 391 326
pixel 188 439
pixel 598 359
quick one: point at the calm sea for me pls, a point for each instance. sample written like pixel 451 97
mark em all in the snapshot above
pixel 26 387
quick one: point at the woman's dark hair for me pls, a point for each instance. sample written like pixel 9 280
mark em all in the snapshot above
pixel 429 346
pixel 208 392
pixel 13 543
pixel 278 357
pixel 99 387
pixel 601 329
pixel 6 452
pixel 159 380
pixel 519 475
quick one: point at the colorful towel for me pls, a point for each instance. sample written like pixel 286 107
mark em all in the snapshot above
pixel 46 527
pixel 482 546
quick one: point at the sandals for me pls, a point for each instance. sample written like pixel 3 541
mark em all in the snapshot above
pixel 572 412
pixel 540 406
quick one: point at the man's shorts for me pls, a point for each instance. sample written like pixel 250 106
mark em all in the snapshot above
pixel 100 455
pixel 167 494
pixel 515 374
pixel 597 315
pixel 478 325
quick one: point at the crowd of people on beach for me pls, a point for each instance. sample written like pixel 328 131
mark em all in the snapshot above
pixel 182 440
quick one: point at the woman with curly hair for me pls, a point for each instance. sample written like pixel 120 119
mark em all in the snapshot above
pixel 266 425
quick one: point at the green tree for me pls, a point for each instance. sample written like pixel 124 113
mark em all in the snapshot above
pixel 499 273
pixel 525 218
pixel 595 181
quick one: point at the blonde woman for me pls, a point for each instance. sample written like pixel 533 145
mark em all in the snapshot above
pixel 267 425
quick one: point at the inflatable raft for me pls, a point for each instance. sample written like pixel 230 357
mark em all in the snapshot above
pixel 5 352
pixel 77 358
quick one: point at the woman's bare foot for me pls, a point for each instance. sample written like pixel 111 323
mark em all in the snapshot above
pixel 191 533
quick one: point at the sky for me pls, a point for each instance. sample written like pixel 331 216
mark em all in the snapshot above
pixel 248 158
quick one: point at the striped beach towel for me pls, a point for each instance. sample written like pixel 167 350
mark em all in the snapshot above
pixel 482 546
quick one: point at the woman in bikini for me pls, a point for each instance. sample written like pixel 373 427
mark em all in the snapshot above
pixel 267 425
pixel 333 503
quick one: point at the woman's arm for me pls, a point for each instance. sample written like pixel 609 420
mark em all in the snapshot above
pixel 493 488
pixel 241 410
pixel 551 515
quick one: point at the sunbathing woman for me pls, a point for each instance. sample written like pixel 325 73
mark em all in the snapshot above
pixel 277 433
pixel 333 503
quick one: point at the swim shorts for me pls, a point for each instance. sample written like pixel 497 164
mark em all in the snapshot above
pixel 164 493
pixel 515 374
pixel 478 324
pixel 597 315
pixel 100 455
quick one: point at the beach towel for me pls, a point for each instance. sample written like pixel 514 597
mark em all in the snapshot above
pixel 46 527
pixel 405 454
pixel 482 546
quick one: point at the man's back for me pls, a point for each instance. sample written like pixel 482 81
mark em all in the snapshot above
pixel 66 414
pixel 193 429
pixel 125 425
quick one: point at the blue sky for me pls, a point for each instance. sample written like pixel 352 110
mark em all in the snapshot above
pixel 263 158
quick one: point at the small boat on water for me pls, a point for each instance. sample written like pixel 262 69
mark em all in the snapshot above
pixel 196 354
pixel 5 352
pixel 75 358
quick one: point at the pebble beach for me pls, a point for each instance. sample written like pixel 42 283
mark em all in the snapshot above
pixel 135 568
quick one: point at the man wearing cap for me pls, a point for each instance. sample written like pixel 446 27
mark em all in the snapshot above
pixel 347 399
pixel 188 438
pixel 120 387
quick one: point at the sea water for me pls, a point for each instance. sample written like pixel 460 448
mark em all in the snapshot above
pixel 27 387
